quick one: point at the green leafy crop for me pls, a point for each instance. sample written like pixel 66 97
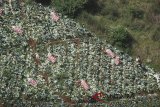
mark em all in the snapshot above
pixel 42 58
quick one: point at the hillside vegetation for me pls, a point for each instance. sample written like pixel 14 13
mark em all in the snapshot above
pixel 48 59
pixel 139 18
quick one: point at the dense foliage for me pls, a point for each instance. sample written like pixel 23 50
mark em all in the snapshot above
pixel 120 37
pixel 41 59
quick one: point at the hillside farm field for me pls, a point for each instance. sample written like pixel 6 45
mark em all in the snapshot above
pixel 49 60
pixel 121 84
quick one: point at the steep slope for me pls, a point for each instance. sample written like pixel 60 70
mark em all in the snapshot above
pixel 46 57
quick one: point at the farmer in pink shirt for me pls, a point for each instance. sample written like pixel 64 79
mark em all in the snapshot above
pixel 83 84
pixel 54 16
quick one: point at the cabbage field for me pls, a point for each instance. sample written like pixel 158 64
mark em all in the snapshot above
pixel 49 60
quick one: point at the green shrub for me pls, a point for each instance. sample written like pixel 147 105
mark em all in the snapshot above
pixel 120 37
